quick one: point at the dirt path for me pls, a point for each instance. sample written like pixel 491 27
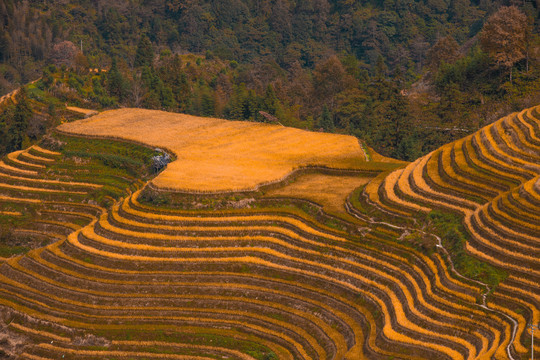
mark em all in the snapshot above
pixel 86 112
pixel 12 94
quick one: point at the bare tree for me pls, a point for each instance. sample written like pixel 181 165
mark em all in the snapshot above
pixel 138 90
pixel 64 53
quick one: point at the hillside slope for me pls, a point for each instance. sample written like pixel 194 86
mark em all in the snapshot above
pixel 267 274
pixel 491 178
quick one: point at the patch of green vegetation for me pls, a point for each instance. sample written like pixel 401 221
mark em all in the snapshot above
pixel 7 251
pixel 251 347
pixel 454 237
pixel 263 356
pixel 354 199
pixel 117 165
pixel 26 211
pixel 279 317
pixel 333 224
pixel 132 166
pixel 122 149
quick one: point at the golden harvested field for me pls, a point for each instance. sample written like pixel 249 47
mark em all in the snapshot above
pixel 329 191
pixel 219 155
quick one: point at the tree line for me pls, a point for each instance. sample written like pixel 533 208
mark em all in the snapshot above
pixel 400 74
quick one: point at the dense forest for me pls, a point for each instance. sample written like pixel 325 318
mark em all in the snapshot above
pixel 404 75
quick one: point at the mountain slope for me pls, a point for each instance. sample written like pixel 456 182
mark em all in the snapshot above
pixel 491 178
pixel 156 274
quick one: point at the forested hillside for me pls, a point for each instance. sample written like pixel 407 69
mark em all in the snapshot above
pixel 407 76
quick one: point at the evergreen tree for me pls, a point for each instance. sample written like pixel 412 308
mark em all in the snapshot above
pixel 235 107
pixel 380 69
pixel 207 103
pixel 270 101
pixel 325 121
pixel 149 78
pixel 145 53
pixel 450 107
pixel 152 100
pixel 397 131
pixel 182 93
pixel 4 120
pixel 167 98
pixel 251 106
pixel 19 124
pixel 115 82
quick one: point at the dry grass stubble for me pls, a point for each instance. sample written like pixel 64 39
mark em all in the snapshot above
pixel 220 155
pixel 329 191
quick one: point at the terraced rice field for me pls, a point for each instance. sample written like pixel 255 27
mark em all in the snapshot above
pixel 215 155
pixel 269 274
pixel 491 178
pixel 330 191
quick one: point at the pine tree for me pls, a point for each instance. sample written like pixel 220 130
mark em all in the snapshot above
pixel 270 101
pixel 19 124
pixel 183 93
pixel 207 103
pixel 115 82
pixel 4 120
pixel 251 106
pixel 380 69
pixel 145 53
pixel 167 98
pixel 237 103
pixel 325 121
pixel 152 100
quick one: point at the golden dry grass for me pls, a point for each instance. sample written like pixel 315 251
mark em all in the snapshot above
pixel 329 191
pixel 339 340
pixel 471 247
pixel 388 329
pixel 47 181
pixel 14 157
pixel 529 127
pixel 512 139
pixel 43 151
pixel 14 199
pixel 107 354
pixel 105 224
pixel 42 333
pixel 219 155
pixel 10 213
pixel 4 166
pixel 29 156
pixel 381 158
pixel 401 178
pixel 36 189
